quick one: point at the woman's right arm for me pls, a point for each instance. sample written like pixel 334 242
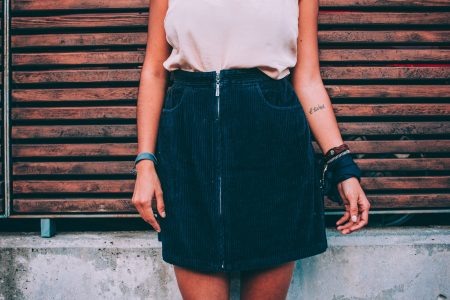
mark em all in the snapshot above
pixel 152 88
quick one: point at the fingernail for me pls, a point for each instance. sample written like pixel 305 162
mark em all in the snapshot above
pixel 158 230
pixel 354 218
pixel 163 214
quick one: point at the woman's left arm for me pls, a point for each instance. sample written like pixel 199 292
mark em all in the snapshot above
pixel 308 85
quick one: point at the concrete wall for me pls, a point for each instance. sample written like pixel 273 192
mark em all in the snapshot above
pixel 395 263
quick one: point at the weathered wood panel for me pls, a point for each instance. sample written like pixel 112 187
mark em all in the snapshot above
pixel 76 68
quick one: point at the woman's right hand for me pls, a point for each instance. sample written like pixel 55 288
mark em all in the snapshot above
pixel 147 187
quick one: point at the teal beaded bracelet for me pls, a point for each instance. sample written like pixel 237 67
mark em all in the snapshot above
pixel 141 156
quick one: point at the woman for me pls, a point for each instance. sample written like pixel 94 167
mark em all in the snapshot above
pixel 229 143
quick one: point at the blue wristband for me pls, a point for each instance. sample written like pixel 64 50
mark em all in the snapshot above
pixel 142 156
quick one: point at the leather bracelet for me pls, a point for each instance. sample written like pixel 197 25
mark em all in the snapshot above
pixel 336 151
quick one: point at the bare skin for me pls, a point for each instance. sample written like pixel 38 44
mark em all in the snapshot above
pixel 271 283
pixel 308 84
pixel 268 284
pixel 202 286
pixel 265 284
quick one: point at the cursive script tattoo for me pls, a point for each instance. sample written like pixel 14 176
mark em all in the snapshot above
pixel 316 108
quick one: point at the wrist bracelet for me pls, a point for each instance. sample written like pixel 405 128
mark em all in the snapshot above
pixel 142 156
pixel 341 167
pixel 336 151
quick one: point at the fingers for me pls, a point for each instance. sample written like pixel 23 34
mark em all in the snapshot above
pixel 145 210
pixel 341 193
pixel 353 199
pixel 351 215
pixel 144 195
pixel 143 205
pixel 364 220
pixel 344 218
pixel 345 226
pixel 160 202
pixel 346 215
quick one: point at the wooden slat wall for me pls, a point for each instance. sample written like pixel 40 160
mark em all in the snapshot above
pixel 76 67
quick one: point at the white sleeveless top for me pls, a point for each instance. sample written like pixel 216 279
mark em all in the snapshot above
pixel 210 35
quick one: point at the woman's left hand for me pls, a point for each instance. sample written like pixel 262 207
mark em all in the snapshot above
pixel 356 205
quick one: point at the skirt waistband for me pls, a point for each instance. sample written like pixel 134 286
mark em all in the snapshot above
pixel 238 74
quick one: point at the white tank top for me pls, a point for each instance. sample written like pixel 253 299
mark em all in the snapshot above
pixel 210 35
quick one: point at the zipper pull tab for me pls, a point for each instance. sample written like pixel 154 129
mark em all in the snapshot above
pixel 217 83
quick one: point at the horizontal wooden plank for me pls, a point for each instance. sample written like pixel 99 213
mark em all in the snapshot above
pixel 378 73
pixel 404 200
pixel 129 112
pixel 73 205
pixel 73 186
pixel 137 57
pixel 129 131
pixel 140 19
pixel 405 183
pixel 78 58
pixel 133 75
pixel 73 131
pixel 73 168
pixel 74 113
pixel 140 38
pixel 86 20
pixel 76 150
pixel 127 186
pixel 124 167
pixel 396 147
pixel 131 93
pixel 381 55
pixel 383 3
pixel 404 164
pixel 110 75
pixel 28 5
pixel 80 39
pixel 391 109
pixel 110 205
pixel 384 37
pixel 74 94
pixel 383 18
pixel 127 149
pixel 388 91
pixel 393 128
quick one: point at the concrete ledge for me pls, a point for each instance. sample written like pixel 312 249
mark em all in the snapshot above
pixel 375 263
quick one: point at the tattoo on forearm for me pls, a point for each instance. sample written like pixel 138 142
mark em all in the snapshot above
pixel 316 108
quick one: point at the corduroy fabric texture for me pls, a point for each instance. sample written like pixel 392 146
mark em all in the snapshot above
pixel 238 173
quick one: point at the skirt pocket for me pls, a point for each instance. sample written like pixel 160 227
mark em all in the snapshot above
pixel 174 97
pixel 278 94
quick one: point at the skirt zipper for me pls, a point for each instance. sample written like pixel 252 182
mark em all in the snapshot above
pixel 219 137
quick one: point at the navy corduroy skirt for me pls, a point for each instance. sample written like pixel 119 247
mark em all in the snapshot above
pixel 238 173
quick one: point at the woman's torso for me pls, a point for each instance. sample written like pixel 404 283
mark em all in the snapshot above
pixel 210 35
